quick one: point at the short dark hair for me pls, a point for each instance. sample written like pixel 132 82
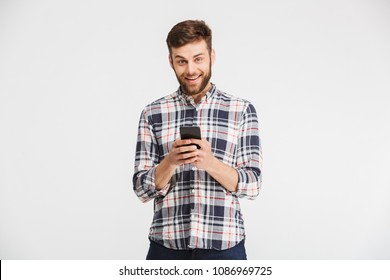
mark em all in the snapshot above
pixel 189 31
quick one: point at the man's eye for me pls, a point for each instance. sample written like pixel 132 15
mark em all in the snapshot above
pixel 181 62
pixel 198 59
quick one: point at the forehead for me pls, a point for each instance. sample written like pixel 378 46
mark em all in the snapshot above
pixel 191 49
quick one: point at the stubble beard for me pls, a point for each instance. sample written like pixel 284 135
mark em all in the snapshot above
pixel 194 90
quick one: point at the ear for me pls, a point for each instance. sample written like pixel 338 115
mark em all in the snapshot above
pixel 212 56
pixel 170 60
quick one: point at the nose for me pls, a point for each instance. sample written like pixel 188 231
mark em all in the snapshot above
pixel 191 68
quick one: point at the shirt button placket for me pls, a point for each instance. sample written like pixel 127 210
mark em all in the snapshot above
pixel 194 202
pixel 195 119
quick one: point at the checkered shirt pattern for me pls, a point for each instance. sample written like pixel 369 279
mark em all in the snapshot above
pixel 193 210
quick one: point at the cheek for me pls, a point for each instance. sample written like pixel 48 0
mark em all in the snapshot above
pixel 206 67
pixel 179 71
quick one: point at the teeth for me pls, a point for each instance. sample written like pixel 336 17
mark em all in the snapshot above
pixel 193 78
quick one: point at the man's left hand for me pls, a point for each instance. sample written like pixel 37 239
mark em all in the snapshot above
pixel 204 158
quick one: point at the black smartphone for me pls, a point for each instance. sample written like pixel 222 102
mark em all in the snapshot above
pixel 188 132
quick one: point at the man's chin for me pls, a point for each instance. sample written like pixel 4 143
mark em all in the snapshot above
pixel 194 89
pixel 191 91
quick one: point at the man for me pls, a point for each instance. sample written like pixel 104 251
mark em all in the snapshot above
pixel 195 190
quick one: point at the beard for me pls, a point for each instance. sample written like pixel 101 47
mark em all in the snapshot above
pixel 189 89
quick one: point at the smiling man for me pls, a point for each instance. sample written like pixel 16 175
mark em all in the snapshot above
pixel 196 183
pixel 192 66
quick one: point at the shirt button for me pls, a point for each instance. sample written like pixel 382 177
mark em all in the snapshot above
pixel 193 190
pixel 194 168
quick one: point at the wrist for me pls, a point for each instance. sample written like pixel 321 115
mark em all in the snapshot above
pixel 214 166
pixel 167 165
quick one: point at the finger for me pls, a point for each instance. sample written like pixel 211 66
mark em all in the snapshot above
pixel 181 142
pixel 192 160
pixel 197 142
pixel 188 161
pixel 187 155
pixel 186 149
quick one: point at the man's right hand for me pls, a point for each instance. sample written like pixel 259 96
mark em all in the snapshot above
pixel 181 153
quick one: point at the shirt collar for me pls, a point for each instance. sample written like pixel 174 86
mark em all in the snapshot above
pixel 210 93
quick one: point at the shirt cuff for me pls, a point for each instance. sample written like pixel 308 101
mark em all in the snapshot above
pixel 150 181
pixel 241 181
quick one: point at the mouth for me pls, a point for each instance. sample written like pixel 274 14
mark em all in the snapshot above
pixel 193 79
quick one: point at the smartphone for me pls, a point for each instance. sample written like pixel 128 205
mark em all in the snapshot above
pixel 188 132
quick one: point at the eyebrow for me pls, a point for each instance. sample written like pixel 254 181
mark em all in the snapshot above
pixel 181 57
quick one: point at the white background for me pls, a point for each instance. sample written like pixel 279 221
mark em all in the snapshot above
pixel 75 75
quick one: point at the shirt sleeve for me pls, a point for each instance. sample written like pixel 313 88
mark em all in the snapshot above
pixel 147 159
pixel 249 156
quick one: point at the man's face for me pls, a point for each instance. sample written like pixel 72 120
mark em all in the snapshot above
pixel 192 66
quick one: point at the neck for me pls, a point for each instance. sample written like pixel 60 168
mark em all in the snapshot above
pixel 198 97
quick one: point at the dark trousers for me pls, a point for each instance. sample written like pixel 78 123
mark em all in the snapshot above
pixel 159 252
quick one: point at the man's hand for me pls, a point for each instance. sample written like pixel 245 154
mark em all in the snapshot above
pixel 181 154
pixel 204 157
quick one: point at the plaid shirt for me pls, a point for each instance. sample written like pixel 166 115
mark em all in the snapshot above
pixel 193 210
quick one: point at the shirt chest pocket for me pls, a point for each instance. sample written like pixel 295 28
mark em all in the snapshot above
pixel 224 144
